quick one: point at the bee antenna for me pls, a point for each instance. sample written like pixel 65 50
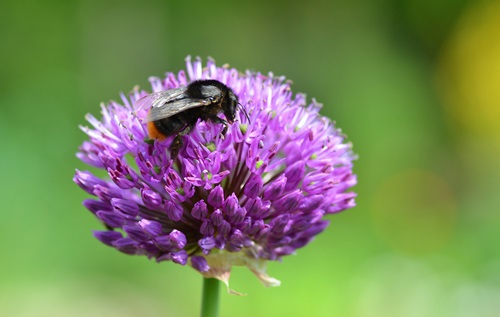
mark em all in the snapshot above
pixel 244 111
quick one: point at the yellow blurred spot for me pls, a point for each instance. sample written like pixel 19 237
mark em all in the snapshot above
pixel 469 71
pixel 414 212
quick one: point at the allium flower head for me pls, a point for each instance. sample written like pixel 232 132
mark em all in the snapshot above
pixel 253 195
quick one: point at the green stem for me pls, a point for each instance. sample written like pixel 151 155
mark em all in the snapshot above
pixel 210 299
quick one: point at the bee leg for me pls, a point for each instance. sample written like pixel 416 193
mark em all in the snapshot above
pixel 186 130
pixel 177 142
pixel 175 147
pixel 223 122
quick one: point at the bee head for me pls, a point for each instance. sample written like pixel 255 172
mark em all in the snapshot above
pixel 229 107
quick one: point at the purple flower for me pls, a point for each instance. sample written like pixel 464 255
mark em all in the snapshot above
pixel 255 194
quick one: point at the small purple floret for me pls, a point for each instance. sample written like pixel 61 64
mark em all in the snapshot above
pixel 200 263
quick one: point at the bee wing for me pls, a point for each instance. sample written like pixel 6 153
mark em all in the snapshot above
pixel 159 98
pixel 174 107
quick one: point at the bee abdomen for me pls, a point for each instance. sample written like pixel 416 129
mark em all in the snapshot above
pixel 161 129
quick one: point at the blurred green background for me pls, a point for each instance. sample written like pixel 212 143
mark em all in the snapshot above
pixel 414 84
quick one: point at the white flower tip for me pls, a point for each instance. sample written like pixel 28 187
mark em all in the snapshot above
pixel 266 279
pixel 233 292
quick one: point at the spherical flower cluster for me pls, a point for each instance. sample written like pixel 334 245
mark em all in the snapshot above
pixel 254 194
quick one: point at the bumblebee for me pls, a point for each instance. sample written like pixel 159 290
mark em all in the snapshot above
pixel 176 111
